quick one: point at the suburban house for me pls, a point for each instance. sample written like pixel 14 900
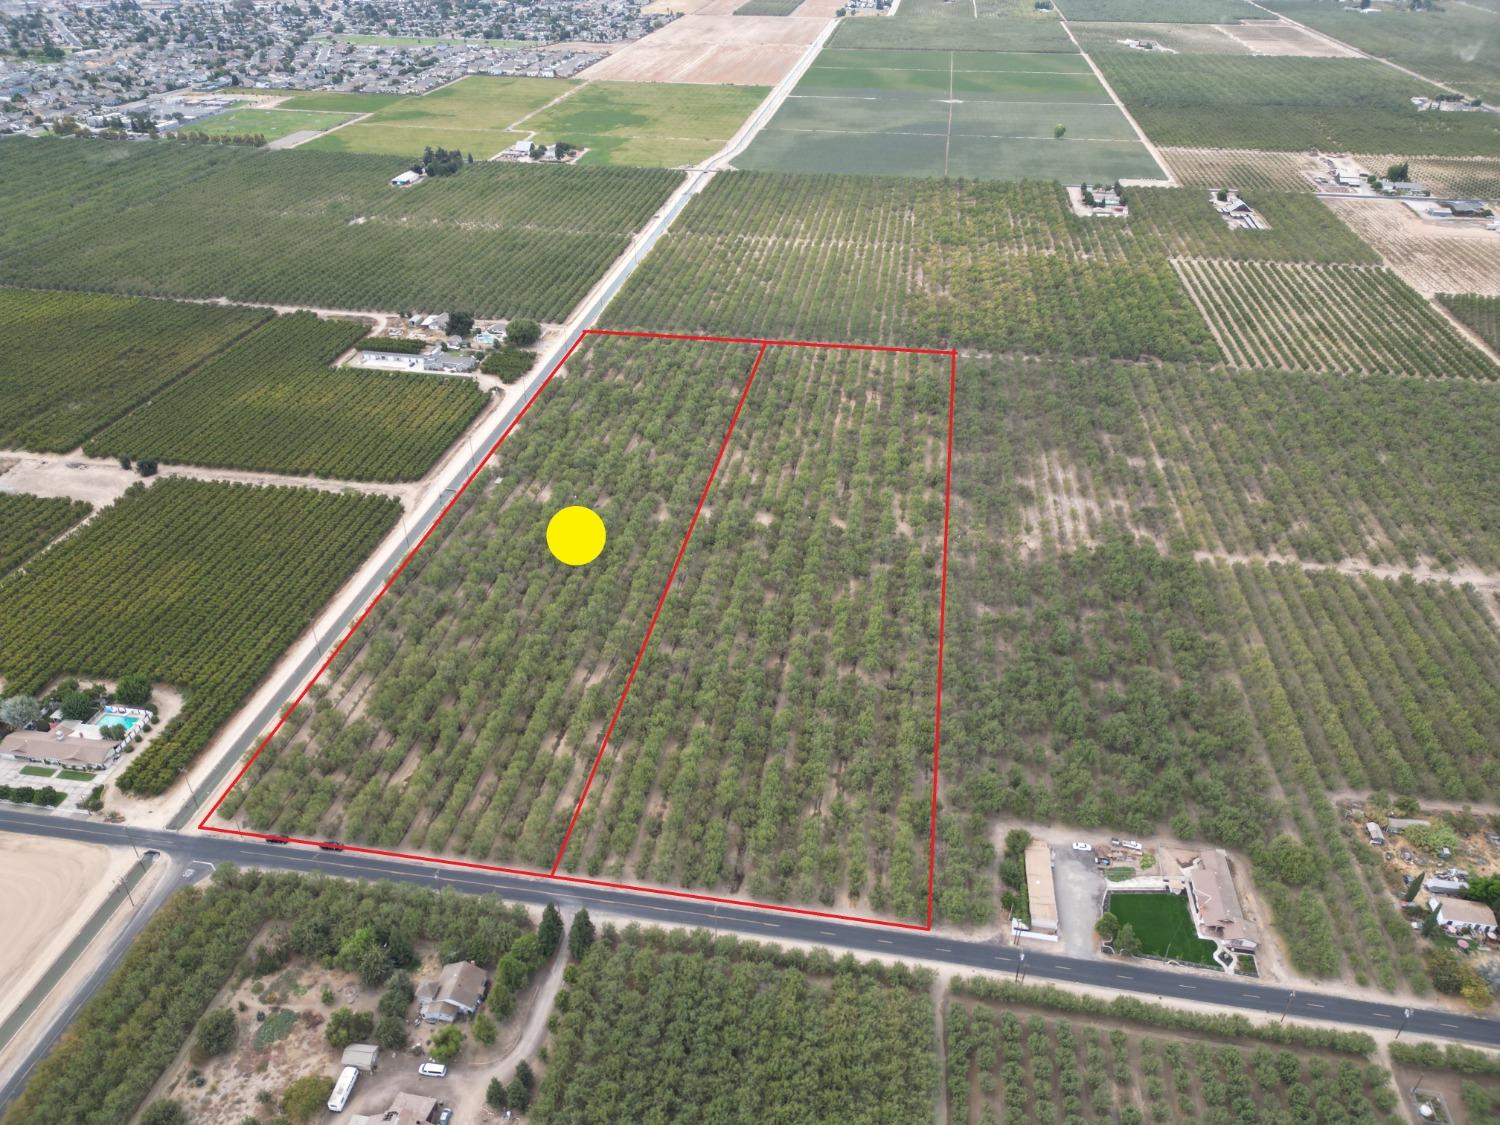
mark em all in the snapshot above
pixel 448 363
pixel 1403 187
pixel 1459 915
pixel 521 150
pixel 407 1109
pixel 1040 891
pixel 1377 837
pixel 458 991
pixel 1216 904
pixel 74 746
pixel 1467 208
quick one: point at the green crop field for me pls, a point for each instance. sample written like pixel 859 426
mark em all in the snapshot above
pixel 194 584
pixel 315 228
pixel 29 523
pixel 981 25
pixel 768 7
pixel 472 115
pixel 272 402
pixel 269 123
pixel 1163 924
pixel 1160 11
pixel 57 388
pixel 951 113
pixel 650 124
pixel 1290 104
pixel 1453 43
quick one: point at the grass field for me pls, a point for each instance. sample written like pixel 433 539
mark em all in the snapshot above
pixel 945 25
pixel 39 771
pixel 472 115
pixel 1163 924
pixel 647 124
pixel 337 102
pixel 627 123
pixel 982 115
pixel 1160 11
pixel 269 123
pixel 768 7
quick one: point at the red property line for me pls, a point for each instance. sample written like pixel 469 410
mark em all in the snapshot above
pixel 661 601
pixel 553 874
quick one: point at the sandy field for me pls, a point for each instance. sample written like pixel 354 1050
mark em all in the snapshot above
pixel 49 888
pixel 711 47
pixel 1268 38
pixel 1430 255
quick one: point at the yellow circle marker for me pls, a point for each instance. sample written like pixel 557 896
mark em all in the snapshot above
pixel 576 535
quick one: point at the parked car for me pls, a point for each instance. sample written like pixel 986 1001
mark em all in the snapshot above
pixel 1080 846
pixel 331 846
pixel 1132 845
pixel 445 1116
pixel 430 1069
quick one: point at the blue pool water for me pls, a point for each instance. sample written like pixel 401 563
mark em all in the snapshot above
pixel 108 719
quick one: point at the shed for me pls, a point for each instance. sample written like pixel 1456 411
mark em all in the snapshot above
pixel 364 1056
pixel 1377 837
pixel 1040 890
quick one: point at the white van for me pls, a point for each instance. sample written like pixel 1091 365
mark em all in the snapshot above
pixel 343 1088
pixel 430 1069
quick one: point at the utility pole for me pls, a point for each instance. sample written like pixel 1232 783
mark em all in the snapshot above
pixel 1405 1015
pixel 1290 997
pixel 1021 968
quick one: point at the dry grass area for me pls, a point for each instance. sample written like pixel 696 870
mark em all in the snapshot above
pixel 714 46
pixel 1243 168
pixel 50 888
pixel 1285 40
pixel 1430 255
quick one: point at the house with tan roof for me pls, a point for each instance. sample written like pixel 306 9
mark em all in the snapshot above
pixel 458 991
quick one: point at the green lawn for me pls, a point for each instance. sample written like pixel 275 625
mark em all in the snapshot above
pixel 647 124
pixel 75 775
pixel 38 771
pixel 271 123
pixel 1163 924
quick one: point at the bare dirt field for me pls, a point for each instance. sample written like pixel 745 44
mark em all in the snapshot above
pixel 293 1044
pixel 714 48
pixel 49 888
pixel 1285 39
pixel 1430 255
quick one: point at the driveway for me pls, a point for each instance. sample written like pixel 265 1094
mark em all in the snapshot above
pixel 1079 886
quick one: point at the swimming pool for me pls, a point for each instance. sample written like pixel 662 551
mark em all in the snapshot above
pixel 108 718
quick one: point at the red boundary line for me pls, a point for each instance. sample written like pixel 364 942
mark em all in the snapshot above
pixel 552 874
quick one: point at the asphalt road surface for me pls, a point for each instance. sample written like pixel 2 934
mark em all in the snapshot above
pixel 1039 965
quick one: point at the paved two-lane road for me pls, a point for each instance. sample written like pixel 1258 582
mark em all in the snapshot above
pixel 1040 965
